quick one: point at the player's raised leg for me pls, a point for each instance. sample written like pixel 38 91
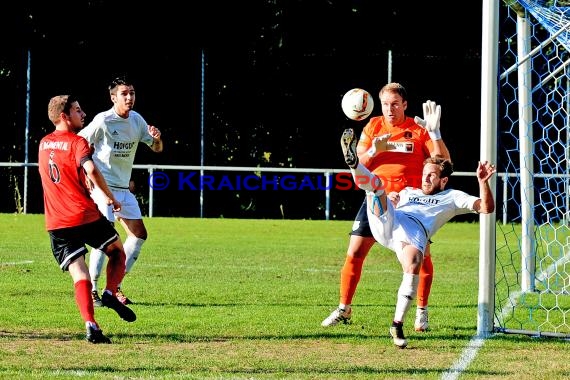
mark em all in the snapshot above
pixel 363 178
pixel 348 142
pixel 115 274
pixel 136 237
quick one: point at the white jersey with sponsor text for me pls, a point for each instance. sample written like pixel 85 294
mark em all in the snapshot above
pixel 433 211
pixel 116 140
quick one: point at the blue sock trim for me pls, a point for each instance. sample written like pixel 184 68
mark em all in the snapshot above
pixel 376 202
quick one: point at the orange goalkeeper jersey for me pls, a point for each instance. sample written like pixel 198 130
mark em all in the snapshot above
pixel 403 166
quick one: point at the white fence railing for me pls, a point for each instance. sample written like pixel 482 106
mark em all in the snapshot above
pixel 202 169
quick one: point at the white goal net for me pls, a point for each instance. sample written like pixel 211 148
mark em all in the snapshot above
pixel 532 274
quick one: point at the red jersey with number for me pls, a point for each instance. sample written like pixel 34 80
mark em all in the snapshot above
pixel 66 198
pixel 403 166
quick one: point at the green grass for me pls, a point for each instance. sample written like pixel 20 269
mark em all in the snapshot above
pixel 244 299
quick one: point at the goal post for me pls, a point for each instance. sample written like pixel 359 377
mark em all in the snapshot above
pixel 531 260
pixel 489 57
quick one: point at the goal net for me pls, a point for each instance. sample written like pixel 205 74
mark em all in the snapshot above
pixel 532 278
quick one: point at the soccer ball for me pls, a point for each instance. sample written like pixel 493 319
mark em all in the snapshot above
pixel 357 104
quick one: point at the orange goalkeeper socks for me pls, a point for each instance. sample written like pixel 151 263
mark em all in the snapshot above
pixel 424 285
pixel 349 278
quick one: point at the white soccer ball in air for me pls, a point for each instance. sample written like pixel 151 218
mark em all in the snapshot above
pixel 357 104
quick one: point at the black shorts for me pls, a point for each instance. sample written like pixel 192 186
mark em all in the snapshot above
pixel 68 244
pixel 361 227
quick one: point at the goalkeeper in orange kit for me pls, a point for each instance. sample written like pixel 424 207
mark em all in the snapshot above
pixel 413 140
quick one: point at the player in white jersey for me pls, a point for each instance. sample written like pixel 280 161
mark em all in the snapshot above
pixel 405 221
pixel 115 135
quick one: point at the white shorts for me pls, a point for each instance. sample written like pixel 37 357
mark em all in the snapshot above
pixel 130 208
pixel 394 229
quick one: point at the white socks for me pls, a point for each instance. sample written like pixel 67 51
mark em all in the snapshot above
pixel 132 247
pixel 406 295
pixel 366 180
pixel 96 260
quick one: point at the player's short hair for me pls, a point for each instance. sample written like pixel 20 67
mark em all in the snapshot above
pixel 118 81
pixel 445 165
pixel 59 104
pixel 396 88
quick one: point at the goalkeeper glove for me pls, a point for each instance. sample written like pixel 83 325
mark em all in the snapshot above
pixel 380 144
pixel 432 115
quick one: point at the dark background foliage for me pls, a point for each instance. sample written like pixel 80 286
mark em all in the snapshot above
pixel 269 74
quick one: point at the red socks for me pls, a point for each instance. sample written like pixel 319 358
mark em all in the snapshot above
pixel 115 270
pixel 84 301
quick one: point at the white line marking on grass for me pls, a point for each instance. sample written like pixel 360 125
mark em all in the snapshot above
pixel 513 297
pixel 553 268
pixel 17 262
pixel 540 278
pixel 477 342
pixel 466 358
pixel 78 373
pixel 314 270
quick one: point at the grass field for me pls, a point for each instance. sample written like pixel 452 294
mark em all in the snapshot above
pixel 244 299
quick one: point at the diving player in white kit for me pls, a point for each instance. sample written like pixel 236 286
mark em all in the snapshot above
pixel 405 221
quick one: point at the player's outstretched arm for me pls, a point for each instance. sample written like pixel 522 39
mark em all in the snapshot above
pixel 156 145
pixel 95 176
pixel 486 203
pixel 380 144
pixel 440 150
pixel 432 122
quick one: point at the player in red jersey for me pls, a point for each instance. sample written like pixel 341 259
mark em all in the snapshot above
pixel 72 218
pixel 412 140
